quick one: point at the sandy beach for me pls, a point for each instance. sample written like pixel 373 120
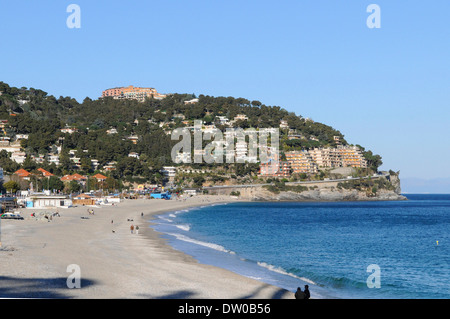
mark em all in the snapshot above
pixel 113 263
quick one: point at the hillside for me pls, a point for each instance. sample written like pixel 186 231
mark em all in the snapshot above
pixel 130 141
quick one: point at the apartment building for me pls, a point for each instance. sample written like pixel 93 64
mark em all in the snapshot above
pixel 301 162
pixel 275 169
pixel 352 157
pixel 132 93
pixel 342 156
pixel 325 157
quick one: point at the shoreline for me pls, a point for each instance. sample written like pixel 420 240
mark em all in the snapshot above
pixel 36 254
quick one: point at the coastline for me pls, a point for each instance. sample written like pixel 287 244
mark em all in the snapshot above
pixel 36 254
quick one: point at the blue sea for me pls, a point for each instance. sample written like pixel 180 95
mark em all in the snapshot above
pixel 365 250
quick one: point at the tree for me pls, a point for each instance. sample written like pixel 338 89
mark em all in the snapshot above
pixel 74 187
pixel 11 186
pixel 54 183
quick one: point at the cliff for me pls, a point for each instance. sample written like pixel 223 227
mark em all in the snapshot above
pixel 321 194
pixel 387 189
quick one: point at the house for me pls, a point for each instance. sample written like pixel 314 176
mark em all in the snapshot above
pixel 21 136
pixel 240 117
pixel 193 101
pixel 75 177
pixel 133 138
pixel 134 154
pixel 52 158
pixel 79 177
pixel 284 124
pixel 100 177
pixel 110 166
pixel 18 157
pixel 69 130
pixel 38 159
pixel 45 173
pixel 23 174
pixel 222 120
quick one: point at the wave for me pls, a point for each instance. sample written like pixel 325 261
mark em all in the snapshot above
pixel 181 211
pixel 201 243
pixel 164 218
pixel 184 227
pixel 331 281
pixel 284 272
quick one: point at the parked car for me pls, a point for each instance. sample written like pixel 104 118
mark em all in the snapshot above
pixel 11 216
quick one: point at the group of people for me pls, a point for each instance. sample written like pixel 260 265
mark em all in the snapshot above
pixel 132 228
pixel 299 294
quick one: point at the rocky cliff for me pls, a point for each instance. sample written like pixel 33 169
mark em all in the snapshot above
pixel 321 194
pixel 324 191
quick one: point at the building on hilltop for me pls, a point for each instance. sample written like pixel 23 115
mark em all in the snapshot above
pixel 132 93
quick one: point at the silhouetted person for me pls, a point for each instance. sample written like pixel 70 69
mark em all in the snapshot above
pixel 306 291
pixel 299 294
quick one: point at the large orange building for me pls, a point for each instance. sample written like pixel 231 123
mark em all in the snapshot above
pixel 134 93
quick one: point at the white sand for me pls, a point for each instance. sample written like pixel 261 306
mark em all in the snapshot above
pixel 35 255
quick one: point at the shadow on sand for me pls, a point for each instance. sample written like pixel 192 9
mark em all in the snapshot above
pixel 11 287
pixel 187 294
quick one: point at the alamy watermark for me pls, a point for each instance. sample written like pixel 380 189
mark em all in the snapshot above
pixel 74 19
pixel 374 19
pixel 74 279
pixel 374 279
pixel 235 145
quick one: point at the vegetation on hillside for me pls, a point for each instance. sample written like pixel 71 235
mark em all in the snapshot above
pixel 41 116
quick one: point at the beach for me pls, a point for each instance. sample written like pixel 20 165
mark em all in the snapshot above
pixel 38 256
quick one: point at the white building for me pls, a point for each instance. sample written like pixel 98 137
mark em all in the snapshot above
pixel 169 171
pixel 21 136
pixel 193 101
pixel 47 201
pixel 134 154
pixel 18 157
pixel 52 158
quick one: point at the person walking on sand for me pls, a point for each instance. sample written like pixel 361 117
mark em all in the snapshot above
pixel 137 230
pixel 299 294
pixel 132 228
pixel 306 291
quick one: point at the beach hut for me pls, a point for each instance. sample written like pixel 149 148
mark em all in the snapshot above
pixel 47 201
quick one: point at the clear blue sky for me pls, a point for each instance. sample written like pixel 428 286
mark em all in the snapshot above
pixel 387 89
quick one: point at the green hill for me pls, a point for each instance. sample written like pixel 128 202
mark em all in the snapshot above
pixel 41 116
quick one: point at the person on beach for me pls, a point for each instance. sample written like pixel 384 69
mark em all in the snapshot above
pixel 137 230
pixel 132 228
pixel 299 294
pixel 306 291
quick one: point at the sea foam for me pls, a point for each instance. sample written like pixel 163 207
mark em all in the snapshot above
pixel 201 243
pixel 283 272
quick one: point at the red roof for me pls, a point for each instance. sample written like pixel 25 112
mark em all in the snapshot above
pixel 74 177
pixel 99 176
pixel 44 172
pixel 78 177
pixel 22 173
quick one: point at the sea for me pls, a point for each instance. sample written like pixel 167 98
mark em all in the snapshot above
pixel 350 250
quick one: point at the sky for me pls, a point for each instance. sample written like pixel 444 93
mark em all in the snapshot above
pixel 386 88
